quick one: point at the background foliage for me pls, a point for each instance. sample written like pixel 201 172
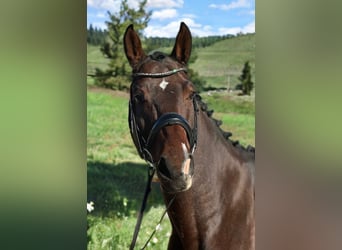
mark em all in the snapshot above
pixel 226 56
pixel 116 74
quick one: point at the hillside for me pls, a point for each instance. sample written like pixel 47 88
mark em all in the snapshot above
pixel 222 62
pixel 219 64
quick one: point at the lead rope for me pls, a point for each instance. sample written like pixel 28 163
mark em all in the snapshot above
pixel 143 206
pixel 142 209
pixel 159 223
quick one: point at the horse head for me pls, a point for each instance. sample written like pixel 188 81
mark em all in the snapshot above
pixel 162 109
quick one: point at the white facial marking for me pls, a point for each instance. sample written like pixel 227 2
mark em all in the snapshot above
pixel 185 151
pixel 186 163
pixel 163 84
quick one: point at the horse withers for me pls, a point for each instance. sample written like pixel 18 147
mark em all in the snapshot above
pixel 208 178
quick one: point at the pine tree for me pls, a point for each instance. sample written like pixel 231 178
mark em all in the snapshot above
pixel 246 80
pixel 198 81
pixel 95 36
pixel 90 34
pixel 116 76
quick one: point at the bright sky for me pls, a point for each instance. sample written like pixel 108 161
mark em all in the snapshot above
pixel 204 18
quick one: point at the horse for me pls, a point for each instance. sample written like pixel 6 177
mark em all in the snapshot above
pixel 207 180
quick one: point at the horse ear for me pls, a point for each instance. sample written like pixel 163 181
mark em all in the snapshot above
pixel 182 49
pixel 132 44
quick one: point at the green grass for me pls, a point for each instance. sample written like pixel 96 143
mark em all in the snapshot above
pixel 95 59
pixel 230 103
pixel 237 114
pixel 242 126
pixel 107 131
pixel 113 233
pixel 117 191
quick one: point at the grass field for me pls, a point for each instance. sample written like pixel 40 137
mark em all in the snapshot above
pixel 116 175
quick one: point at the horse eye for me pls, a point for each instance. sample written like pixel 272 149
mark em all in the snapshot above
pixel 139 98
pixel 192 95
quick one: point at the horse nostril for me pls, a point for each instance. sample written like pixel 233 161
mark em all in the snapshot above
pixel 163 169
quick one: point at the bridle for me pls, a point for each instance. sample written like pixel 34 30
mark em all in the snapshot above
pixel 167 119
pixel 144 145
pixel 158 75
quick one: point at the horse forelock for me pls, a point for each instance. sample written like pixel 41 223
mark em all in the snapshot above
pixel 157 55
pixel 155 61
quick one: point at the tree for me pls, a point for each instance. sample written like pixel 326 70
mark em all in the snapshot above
pixel 116 76
pixel 193 75
pixel 90 34
pixel 95 36
pixel 246 84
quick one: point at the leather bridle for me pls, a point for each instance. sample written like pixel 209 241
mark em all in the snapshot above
pixel 167 119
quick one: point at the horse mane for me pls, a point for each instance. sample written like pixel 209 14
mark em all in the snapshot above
pixel 204 107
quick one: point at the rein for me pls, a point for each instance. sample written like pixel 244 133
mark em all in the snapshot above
pixel 143 145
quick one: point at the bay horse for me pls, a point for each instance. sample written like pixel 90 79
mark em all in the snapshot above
pixel 208 178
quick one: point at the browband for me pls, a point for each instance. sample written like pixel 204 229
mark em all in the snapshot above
pixel 158 75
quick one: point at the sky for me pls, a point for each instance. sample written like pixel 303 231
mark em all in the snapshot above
pixel 204 18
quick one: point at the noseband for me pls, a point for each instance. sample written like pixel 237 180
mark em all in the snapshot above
pixel 167 119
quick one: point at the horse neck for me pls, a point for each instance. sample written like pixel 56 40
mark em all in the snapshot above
pixel 215 152
pixel 221 179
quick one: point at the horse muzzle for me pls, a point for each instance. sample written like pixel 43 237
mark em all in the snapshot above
pixel 173 181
